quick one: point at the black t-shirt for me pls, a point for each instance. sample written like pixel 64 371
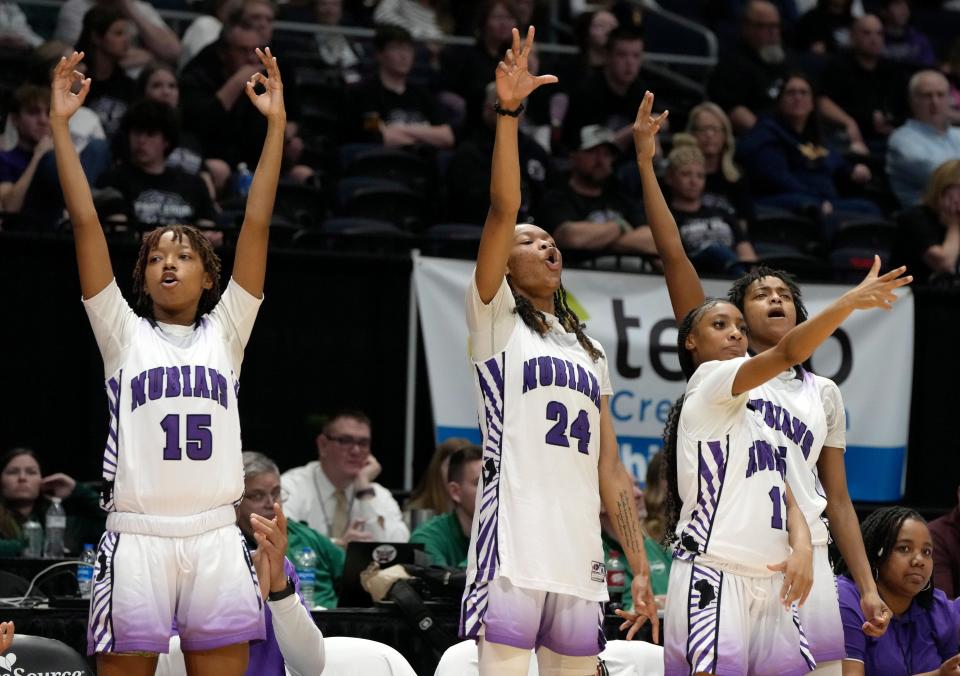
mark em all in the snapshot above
pixel 918 229
pixel 706 226
pixel 563 204
pixel 859 91
pixel 163 199
pixel 415 105
pixel 742 79
pixel 730 196
pixel 110 98
pixel 819 25
pixel 595 103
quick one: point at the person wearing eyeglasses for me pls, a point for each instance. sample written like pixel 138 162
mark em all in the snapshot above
pixel 337 495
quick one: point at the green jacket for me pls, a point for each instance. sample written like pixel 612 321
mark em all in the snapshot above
pixel 443 539
pixel 659 559
pixel 329 560
pixel 85 522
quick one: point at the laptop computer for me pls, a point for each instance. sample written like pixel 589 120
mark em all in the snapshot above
pixel 362 554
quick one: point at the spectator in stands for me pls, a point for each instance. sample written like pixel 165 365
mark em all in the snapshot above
pixel 156 194
pixel 260 14
pixel 591 212
pixel 923 142
pixel 146 26
pixel 712 237
pixel 951 70
pixel 825 28
pixel 28 173
pixel 216 109
pixel 417 17
pixel 25 495
pixel 726 186
pixel 468 174
pixel 105 40
pixel 388 106
pixel 205 29
pixel 904 44
pixel 446 537
pixel 748 77
pixel 946 552
pixel 928 234
pixel 592 30
pixel 16 33
pixel 611 97
pixel 261 495
pixel 336 50
pixel 922 636
pixel 336 494
pixel 862 90
pixel 431 493
pixel 650 503
pixel 789 165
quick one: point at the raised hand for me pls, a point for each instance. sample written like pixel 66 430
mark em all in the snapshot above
pixel 877 290
pixel 645 608
pixel 58 485
pixel 271 537
pixel 270 103
pixel 63 102
pixel 514 81
pixel 645 129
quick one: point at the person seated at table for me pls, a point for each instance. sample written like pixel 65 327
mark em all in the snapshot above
pixel 25 495
pixel 922 636
pixel 446 537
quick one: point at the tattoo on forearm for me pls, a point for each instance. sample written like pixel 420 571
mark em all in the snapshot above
pixel 628 522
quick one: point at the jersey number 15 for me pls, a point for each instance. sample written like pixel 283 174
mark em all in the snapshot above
pixel 199 436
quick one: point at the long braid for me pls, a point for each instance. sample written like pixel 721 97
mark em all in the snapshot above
pixel 880 531
pixel 211 264
pixel 537 320
pixel 671 499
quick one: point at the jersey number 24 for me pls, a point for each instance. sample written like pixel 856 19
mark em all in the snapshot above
pixel 579 429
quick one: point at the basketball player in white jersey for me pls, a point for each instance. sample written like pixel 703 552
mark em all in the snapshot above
pixel 536 578
pixel 803 410
pixel 172 463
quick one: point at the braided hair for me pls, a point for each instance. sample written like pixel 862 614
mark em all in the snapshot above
pixel 880 531
pixel 738 292
pixel 537 320
pixel 671 501
pixel 211 265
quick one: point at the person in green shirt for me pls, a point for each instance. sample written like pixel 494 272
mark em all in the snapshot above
pixel 261 493
pixel 446 538
pixel 25 494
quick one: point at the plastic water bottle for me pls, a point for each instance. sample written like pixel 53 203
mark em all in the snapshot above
pixel 85 571
pixel 33 534
pixel 306 564
pixel 616 579
pixel 56 525
pixel 244 179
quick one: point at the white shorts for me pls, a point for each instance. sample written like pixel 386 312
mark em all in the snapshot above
pixel 730 625
pixel 144 585
pixel 820 615
pixel 527 618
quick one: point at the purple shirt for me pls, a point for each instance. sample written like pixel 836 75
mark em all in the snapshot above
pixel 917 641
pixel 265 657
pixel 13 163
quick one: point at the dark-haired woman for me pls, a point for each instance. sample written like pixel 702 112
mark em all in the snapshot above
pixel 535 577
pixel 105 40
pixel 771 304
pixel 922 638
pixel 172 460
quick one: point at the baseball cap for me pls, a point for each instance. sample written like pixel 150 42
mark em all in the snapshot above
pixel 594 135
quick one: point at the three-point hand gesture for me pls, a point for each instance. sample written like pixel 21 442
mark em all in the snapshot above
pixel 645 129
pixel 877 290
pixel 63 102
pixel 270 103
pixel 514 81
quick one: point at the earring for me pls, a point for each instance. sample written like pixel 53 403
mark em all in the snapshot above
pixel 929 584
pixel 876 574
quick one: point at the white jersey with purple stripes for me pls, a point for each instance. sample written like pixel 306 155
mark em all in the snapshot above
pixel 537 516
pixel 805 413
pixel 731 476
pixel 173 447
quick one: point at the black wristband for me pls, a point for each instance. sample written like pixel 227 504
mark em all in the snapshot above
pixel 510 113
pixel 283 593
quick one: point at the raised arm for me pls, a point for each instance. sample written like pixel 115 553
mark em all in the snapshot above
pixel 250 263
pixel 93 258
pixel 514 84
pixel 683 284
pixel 801 341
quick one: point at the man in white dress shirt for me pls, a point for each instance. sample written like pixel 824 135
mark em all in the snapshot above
pixel 336 495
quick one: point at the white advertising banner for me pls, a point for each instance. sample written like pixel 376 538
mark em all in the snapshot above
pixel 870 357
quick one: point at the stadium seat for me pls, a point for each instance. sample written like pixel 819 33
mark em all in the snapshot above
pixel 38 655
pixel 800 234
pixel 300 204
pixel 399 205
pixel 865 233
pixel 334 228
pixel 463 232
pixel 622 658
pixel 390 163
pixel 347 656
pixel 803 265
